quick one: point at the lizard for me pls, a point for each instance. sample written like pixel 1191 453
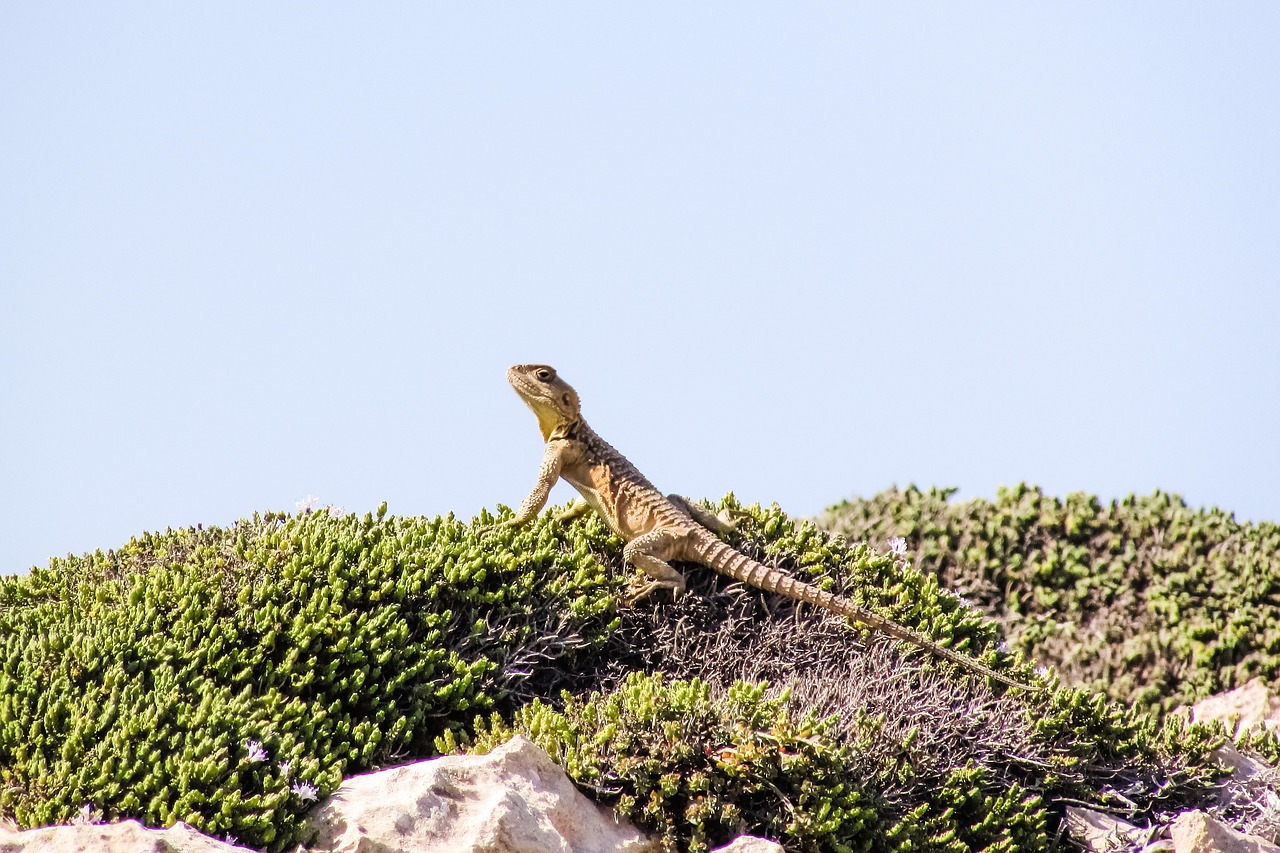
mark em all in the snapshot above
pixel 659 528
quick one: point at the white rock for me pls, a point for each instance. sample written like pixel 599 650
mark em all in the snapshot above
pixel 750 844
pixel 513 800
pixel 1101 832
pixel 1242 767
pixel 125 837
pixel 1197 832
pixel 1252 704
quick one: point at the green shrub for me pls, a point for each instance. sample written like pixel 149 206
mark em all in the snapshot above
pixel 696 757
pixel 218 676
pixel 1143 599
pixel 212 676
pixel 696 772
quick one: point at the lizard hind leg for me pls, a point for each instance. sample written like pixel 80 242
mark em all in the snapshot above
pixel 649 553
pixel 577 509
pixel 721 525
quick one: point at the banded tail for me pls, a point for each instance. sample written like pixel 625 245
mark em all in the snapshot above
pixel 732 563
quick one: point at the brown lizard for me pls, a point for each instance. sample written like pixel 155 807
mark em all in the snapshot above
pixel 658 528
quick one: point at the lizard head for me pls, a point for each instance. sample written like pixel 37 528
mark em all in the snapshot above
pixel 550 397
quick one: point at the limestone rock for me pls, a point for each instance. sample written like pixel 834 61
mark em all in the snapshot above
pixel 1197 832
pixel 513 800
pixel 1101 832
pixel 1242 767
pixel 750 844
pixel 125 837
pixel 1252 704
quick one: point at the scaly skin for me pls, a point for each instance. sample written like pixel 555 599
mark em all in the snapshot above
pixel 658 528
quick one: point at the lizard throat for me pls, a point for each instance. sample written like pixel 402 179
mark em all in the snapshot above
pixel 554 426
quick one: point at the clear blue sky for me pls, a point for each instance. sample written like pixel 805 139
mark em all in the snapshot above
pixel 250 252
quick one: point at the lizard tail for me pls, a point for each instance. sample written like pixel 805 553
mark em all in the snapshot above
pixel 733 563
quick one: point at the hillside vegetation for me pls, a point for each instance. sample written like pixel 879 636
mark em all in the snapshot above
pixel 1145 600
pixel 228 676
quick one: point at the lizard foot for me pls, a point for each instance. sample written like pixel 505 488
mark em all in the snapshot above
pixel 638 592
pixel 730 519
pixel 577 509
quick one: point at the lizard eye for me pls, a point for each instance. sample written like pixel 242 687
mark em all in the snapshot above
pixel 544 374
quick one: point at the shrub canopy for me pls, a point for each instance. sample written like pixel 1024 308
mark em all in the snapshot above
pixel 1143 599
pixel 227 676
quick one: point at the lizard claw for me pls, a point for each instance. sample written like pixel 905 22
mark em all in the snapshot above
pixel 638 592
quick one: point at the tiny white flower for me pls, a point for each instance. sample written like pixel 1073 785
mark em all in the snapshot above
pixel 307 504
pixel 256 752
pixel 336 511
pixel 898 546
pixel 285 767
pixel 87 815
pixel 1042 671
pixel 304 790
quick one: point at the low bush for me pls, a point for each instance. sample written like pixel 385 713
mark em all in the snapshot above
pixel 229 676
pixel 695 769
pixel 851 742
pixel 1143 599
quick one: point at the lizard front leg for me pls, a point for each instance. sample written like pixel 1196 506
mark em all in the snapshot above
pixel 548 473
pixel 649 553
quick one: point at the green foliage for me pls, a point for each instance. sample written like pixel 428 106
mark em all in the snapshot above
pixel 696 771
pixel 211 675
pixel 143 681
pixel 1082 746
pixel 1145 600
pixel 873 578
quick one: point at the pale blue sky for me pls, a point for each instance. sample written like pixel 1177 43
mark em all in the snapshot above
pixel 250 252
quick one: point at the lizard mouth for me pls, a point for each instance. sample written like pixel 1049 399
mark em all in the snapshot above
pixel 520 383
pixel 534 395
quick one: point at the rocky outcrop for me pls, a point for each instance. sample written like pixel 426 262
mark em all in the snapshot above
pixel 1100 833
pixel 1197 832
pixel 750 844
pixel 1247 706
pixel 126 837
pixel 516 800
pixel 513 800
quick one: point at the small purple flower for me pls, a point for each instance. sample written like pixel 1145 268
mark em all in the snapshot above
pixel 256 752
pixel 285 767
pixel 304 791
pixel 898 546
pixel 336 511
pixel 307 504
